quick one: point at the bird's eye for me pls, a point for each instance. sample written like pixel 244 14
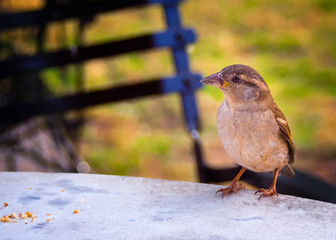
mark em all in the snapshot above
pixel 236 79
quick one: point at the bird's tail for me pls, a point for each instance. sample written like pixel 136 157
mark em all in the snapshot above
pixel 287 171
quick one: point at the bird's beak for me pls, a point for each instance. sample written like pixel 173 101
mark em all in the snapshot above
pixel 215 80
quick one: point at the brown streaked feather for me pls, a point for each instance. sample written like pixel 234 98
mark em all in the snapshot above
pixel 285 131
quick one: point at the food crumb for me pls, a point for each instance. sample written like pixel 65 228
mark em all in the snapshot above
pixel 23 215
pixel 29 214
pixel 48 214
pixel 62 190
pixel 6 204
pixel 76 211
pixel 5 219
pixel 13 216
pixel 26 215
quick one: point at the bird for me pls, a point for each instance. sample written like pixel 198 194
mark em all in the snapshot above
pixel 253 130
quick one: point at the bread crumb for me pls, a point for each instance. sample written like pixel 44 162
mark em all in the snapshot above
pixel 29 214
pixel 23 215
pixel 5 219
pixel 6 204
pixel 13 216
pixel 33 218
pixel 76 211
pixel 26 215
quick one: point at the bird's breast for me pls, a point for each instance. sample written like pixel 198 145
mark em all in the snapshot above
pixel 252 139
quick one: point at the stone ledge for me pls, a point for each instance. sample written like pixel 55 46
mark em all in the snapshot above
pixel 114 207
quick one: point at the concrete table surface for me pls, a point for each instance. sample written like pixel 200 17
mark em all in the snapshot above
pixel 114 207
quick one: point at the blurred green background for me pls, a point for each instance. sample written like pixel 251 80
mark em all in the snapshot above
pixel 291 43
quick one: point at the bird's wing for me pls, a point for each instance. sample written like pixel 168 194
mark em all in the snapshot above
pixel 285 131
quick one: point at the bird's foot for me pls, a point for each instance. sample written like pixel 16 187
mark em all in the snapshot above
pixel 233 188
pixel 267 192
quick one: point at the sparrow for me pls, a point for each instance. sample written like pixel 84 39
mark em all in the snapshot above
pixel 252 128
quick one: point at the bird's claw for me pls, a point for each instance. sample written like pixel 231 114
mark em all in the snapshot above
pixel 267 192
pixel 233 188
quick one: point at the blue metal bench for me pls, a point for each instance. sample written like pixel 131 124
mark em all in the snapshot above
pixel 176 37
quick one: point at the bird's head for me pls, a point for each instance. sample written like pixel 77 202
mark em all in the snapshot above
pixel 241 84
